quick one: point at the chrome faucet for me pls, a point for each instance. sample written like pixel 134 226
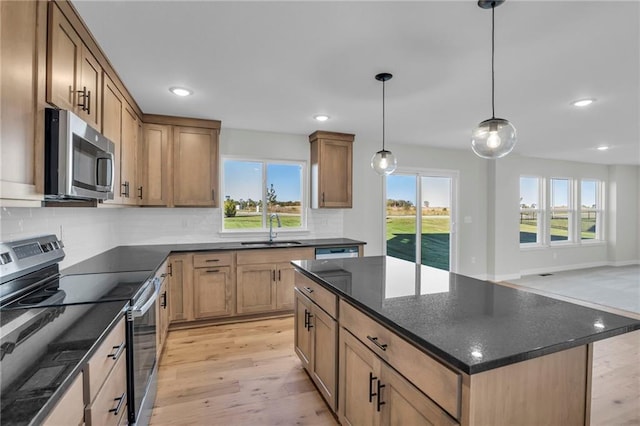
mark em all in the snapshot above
pixel 271 233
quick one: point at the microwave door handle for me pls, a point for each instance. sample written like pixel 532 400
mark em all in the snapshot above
pixel 138 311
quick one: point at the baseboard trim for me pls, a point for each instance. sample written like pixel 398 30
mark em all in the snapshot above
pixel 561 268
pixel 625 263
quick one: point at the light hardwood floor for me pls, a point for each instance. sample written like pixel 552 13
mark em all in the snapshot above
pixel 236 374
pixel 247 374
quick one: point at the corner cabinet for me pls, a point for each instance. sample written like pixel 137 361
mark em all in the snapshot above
pixel 331 169
pixel 195 167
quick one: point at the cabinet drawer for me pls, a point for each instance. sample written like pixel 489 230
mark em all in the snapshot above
pixel 108 354
pixel 111 401
pixel 275 255
pixel 206 260
pixel 437 381
pixel 320 295
pixel 70 409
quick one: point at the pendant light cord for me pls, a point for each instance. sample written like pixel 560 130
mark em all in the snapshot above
pixel 383 114
pixel 493 49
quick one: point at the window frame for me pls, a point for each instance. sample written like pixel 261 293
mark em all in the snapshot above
pixel 574 212
pixel 304 201
pixel 570 211
pixel 598 210
pixel 539 211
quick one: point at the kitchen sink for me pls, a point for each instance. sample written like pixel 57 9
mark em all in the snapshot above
pixel 271 243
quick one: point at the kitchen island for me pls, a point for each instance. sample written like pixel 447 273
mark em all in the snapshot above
pixel 415 344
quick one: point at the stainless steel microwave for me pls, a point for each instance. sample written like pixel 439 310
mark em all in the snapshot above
pixel 79 161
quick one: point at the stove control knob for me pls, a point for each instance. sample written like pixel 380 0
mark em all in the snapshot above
pixel 5 258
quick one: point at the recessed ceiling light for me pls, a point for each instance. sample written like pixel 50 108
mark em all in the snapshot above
pixel 321 117
pixel 603 147
pixel 180 91
pixel 583 102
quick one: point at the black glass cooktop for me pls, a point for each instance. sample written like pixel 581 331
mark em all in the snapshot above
pixel 85 288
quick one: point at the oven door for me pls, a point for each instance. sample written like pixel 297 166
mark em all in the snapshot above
pixel 141 374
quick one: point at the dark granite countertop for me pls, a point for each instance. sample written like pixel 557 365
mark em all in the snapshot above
pixel 150 257
pixel 37 372
pixel 473 325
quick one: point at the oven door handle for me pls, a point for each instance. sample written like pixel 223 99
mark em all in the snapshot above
pixel 137 311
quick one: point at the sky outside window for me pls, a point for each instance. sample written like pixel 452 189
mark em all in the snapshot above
pixel 529 191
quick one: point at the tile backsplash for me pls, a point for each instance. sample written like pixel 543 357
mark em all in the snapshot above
pixel 89 231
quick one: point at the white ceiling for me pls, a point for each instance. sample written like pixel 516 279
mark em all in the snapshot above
pixel 272 65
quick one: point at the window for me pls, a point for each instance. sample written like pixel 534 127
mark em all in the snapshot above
pixel 419 211
pixel 561 214
pixel 530 210
pixel 590 210
pixel 256 189
pixel 560 210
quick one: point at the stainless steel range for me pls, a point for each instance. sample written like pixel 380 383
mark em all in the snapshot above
pixel 37 304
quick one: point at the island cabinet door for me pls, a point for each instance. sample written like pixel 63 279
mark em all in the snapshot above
pixel 324 353
pixel 400 403
pixel 302 337
pixel 359 371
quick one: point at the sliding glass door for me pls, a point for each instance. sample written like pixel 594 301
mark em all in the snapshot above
pixel 419 212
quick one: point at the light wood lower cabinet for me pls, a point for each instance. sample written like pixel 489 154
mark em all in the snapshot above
pixel 162 311
pixel 265 279
pixel 70 409
pixel 372 393
pixel 213 292
pixel 180 287
pixel 316 334
pixel 105 380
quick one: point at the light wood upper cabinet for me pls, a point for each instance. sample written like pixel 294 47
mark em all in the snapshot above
pixel 64 58
pixel 112 107
pixel 129 146
pixel 73 73
pixel 331 169
pixel 89 89
pixel 155 164
pixel 23 32
pixel 195 167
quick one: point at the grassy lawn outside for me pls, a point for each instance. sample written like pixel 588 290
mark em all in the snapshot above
pixel 401 239
pixel 559 230
pixel 255 221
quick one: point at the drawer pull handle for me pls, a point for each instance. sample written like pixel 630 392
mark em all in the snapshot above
pixel 374 340
pixel 309 289
pixel 380 403
pixel 163 303
pixel 118 351
pixel 371 392
pixel 213 260
pixel 210 271
pixel 120 400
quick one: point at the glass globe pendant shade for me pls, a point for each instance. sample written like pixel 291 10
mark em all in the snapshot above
pixel 493 138
pixel 384 162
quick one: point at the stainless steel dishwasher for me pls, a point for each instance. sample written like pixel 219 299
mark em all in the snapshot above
pixel 336 252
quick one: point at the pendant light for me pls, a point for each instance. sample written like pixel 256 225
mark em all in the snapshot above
pixel 383 162
pixel 495 137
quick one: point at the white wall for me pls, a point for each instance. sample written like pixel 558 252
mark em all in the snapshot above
pixel 623 214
